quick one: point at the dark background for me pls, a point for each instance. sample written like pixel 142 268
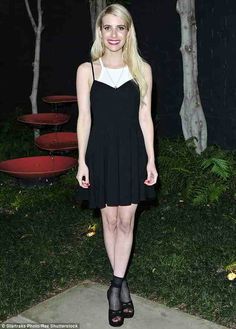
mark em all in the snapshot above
pixel 66 43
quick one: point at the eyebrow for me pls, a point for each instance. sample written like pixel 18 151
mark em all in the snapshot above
pixel 115 25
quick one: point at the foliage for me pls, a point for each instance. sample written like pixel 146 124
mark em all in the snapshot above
pixel 16 139
pixel 219 167
pixel 199 179
pixel 231 267
pixel 49 242
pixel 54 244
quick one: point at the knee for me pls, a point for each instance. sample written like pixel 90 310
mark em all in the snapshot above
pixel 110 223
pixel 125 225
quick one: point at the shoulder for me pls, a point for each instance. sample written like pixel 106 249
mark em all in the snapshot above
pixel 147 69
pixel 84 74
pixel 84 68
pixel 147 72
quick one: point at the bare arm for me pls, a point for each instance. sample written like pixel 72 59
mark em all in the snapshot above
pixel 146 124
pixel 145 118
pixel 84 118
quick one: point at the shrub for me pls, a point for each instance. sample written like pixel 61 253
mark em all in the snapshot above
pixel 200 179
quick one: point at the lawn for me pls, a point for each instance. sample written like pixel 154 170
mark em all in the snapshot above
pixel 182 242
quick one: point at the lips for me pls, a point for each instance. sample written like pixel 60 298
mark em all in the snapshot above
pixel 113 42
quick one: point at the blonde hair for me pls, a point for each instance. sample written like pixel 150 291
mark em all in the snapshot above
pixel 130 52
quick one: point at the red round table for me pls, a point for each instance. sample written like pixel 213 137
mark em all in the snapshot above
pixel 40 120
pixel 38 166
pixel 56 100
pixel 57 141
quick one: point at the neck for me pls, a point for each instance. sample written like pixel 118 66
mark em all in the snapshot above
pixel 113 60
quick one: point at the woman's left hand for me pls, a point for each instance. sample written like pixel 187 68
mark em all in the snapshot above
pixel 152 174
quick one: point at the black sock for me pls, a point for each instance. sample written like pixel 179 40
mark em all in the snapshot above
pixel 116 281
pixel 114 296
pixel 125 294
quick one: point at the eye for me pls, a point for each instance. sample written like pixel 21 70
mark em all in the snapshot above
pixel 121 28
pixel 107 28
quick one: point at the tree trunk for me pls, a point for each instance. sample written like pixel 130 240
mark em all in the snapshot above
pixel 192 115
pixel 36 64
pixel 96 6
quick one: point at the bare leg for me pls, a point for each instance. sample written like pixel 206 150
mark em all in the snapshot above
pixel 118 223
pixel 109 219
pixel 124 238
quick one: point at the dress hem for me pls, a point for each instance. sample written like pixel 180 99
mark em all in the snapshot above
pixel 114 204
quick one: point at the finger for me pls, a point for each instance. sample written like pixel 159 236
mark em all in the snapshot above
pixel 85 185
pixel 148 180
pixel 85 182
pixel 152 178
pixel 80 181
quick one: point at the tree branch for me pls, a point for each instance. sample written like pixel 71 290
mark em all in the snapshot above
pixel 40 13
pixel 31 16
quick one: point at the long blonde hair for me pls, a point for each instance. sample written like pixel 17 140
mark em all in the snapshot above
pixel 130 52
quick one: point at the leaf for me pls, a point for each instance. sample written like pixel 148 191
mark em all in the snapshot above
pixel 91 230
pixel 191 143
pixel 182 170
pixel 215 191
pixel 231 276
pixel 219 167
pixel 25 235
pixel 231 267
pixel 208 194
pixel 200 196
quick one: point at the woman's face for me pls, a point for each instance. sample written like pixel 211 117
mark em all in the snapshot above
pixel 113 32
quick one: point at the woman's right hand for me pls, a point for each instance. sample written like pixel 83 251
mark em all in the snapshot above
pixel 83 171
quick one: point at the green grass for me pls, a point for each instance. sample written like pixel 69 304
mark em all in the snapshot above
pixel 179 255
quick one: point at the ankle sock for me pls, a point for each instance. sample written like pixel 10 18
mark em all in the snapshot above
pixel 125 293
pixel 116 281
pixel 114 295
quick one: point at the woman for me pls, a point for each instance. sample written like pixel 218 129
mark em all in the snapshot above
pixel 115 133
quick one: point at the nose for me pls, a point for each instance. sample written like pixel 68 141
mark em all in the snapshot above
pixel 114 32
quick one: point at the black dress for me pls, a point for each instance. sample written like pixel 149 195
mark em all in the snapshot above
pixel 116 156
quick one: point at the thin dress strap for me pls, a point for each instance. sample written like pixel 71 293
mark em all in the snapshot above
pixel 92 70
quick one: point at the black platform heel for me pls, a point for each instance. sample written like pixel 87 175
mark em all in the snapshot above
pixel 127 307
pixel 112 314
